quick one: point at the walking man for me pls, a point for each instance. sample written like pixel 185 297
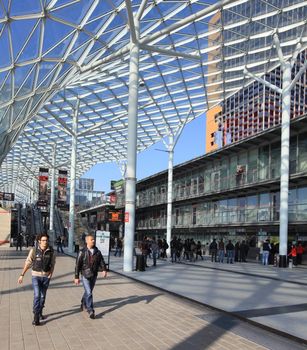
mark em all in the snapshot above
pixel 89 261
pixel 19 241
pixel 42 262
pixel 59 244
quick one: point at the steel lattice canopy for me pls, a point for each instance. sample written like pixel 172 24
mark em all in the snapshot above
pixel 192 56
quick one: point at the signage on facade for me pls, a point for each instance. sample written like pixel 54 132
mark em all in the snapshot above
pixel 43 187
pixel 62 189
pixel 5 196
pixel 114 216
pixel 126 217
pixel 103 244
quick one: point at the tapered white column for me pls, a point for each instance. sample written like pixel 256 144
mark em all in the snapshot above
pixel 52 194
pixel 73 179
pixel 131 152
pixel 170 192
pixel 284 165
pixel 287 85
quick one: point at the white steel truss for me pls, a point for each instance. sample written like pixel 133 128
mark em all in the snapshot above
pixel 192 56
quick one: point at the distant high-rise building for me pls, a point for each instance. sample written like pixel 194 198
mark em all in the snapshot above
pixel 253 108
pixel 85 184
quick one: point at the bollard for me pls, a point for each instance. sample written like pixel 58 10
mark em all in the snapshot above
pixel 290 263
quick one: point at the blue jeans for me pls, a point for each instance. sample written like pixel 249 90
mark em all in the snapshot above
pixel 221 256
pixel 118 251
pixel 40 285
pixel 230 254
pixel 87 298
pixel 265 257
pixel 154 258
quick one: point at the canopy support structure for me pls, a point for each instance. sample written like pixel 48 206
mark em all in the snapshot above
pixel 52 196
pixel 131 151
pixel 73 179
pixel 287 86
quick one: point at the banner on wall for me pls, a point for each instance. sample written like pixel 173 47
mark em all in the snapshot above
pixel 62 190
pixel 102 242
pixel 6 196
pixel 43 178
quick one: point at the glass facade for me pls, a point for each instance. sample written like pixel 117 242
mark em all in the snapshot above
pixel 237 190
pixel 257 108
pixel 85 196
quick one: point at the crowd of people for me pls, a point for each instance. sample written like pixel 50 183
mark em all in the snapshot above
pixel 191 250
pixel 23 240
pixel 269 252
pixel 216 251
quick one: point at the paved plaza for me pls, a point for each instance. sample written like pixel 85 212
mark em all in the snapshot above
pixel 130 315
pixel 269 296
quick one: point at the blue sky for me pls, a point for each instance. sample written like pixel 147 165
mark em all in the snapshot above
pixel 190 145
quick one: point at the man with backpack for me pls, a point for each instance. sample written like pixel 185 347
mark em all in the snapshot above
pixel 89 261
pixel 42 262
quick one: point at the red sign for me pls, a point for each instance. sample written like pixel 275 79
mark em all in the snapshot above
pixel 126 217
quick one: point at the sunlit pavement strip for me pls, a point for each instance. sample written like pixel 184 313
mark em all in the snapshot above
pixel 276 302
pixel 130 315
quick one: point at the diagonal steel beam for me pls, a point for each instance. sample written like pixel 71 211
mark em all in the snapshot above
pixel 131 21
pixel 262 81
pixel 141 9
pixel 169 52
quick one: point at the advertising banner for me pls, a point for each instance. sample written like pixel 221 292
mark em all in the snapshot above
pixel 62 190
pixel 5 196
pixel 103 244
pixel 115 215
pixel 43 177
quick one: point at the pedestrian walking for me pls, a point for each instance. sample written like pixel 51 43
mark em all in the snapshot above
pixel 266 248
pixel 293 254
pixel 19 241
pixel 230 248
pixel 42 261
pixel 300 252
pixel 89 262
pixel 154 251
pixel 59 244
pixel 213 250
pixel 221 251
pixel 118 247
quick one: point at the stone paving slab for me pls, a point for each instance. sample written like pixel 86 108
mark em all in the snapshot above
pixel 269 296
pixel 130 315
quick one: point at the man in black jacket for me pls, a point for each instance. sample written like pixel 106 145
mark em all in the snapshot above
pixel 42 261
pixel 89 261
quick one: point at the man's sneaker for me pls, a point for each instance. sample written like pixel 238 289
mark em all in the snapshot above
pixel 42 317
pixel 92 315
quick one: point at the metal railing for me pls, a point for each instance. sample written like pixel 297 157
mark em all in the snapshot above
pixel 238 215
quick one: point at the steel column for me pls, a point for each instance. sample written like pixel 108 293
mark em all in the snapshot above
pixel 284 164
pixel 131 152
pixel 170 191
pixel 73 179
pixel 52 194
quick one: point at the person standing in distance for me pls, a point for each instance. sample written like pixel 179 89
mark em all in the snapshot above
pixel 42 261
pixel 89 261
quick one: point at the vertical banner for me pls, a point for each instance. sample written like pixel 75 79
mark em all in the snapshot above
pixel 62 189
pixel 43 177
pixel 103 244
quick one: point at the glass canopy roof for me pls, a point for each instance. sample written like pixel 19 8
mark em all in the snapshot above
pixel 192 57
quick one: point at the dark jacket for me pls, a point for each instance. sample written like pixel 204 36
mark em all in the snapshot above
pixel 230 246
pixel 86 260
pixel 43 261
pixel 213 246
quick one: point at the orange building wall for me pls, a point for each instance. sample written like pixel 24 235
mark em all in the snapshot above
pixel 211 128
